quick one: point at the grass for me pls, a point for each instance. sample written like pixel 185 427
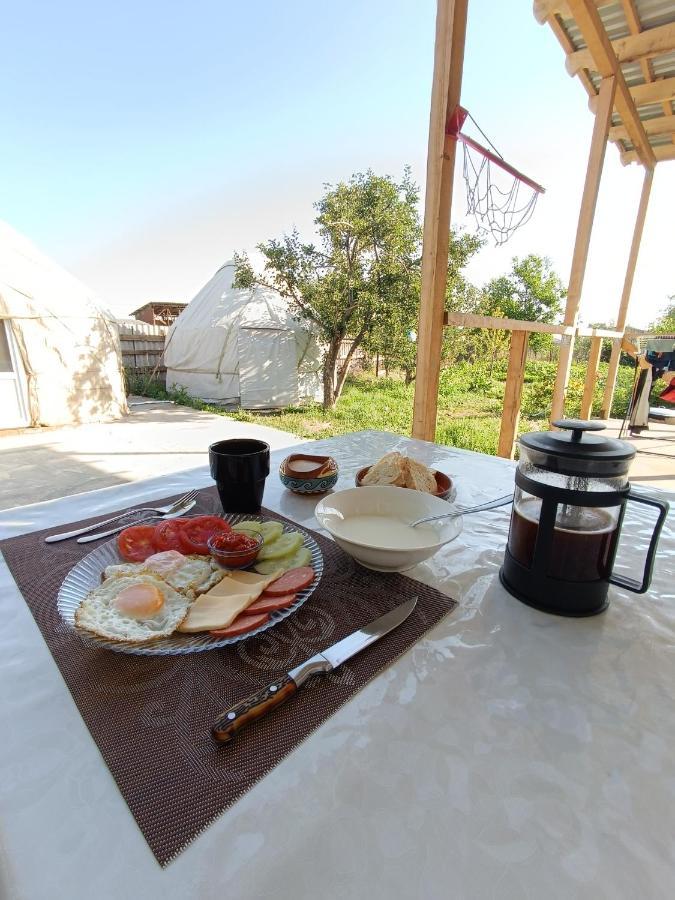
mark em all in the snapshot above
pixel 469 410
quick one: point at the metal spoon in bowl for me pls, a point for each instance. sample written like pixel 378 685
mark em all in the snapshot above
pixel 492 504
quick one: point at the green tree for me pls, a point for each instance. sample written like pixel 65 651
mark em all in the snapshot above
pixel 396 333
pixel 460 296
pixel 582 345
pixel 665 323
pixel 366 265
pixel 530 292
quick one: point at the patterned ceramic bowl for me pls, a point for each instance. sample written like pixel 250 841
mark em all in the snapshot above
pixel 320 485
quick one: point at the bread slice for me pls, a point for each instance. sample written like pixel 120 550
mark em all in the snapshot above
pixel 388 470
pixel 419 477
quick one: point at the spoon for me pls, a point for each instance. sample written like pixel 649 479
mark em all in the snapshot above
pixel 491 504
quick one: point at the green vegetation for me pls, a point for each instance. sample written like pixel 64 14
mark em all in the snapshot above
pixel 360 284
pixel 469 413
pixel 361 278
pixel 665 323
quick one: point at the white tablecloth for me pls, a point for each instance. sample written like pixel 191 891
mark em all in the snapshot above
pixel 509 754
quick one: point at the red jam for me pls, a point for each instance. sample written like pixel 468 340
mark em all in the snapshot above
pixel 234 549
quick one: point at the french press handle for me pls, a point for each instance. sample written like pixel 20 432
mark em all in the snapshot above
pixel 631 584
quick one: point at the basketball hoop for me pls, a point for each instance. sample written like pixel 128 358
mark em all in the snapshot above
pixel 500 204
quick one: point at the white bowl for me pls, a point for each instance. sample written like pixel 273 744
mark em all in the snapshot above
pixel 375 550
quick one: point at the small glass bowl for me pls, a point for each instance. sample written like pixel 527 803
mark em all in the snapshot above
pixel 235 559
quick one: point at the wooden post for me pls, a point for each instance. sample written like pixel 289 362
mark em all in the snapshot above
pixel 613 367
pixel 512 394
pixel 445 92
pixel 589 198
pixel 591 378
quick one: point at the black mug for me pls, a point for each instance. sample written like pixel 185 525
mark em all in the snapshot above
pixel 239 467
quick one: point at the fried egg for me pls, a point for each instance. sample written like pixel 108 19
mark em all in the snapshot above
pixel 136 608
pixel 190 575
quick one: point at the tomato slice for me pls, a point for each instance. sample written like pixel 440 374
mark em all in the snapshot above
pixel 271 604
pixel 136 543
pixel 167 535
pixel 195 533
pixel 241 625
pixel 291 582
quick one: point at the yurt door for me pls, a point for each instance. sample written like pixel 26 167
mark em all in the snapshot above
pixel 13 406
pixel 268 374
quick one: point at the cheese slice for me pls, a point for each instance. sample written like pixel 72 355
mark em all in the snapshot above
pixel 220 606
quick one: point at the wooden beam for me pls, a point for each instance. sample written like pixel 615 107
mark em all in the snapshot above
pixel 656 92
pixel 645 45
pixel 635 26
pixel 513 391
pixel 545 9
pixel 622 315
pixel 445 94
pixel 661 91
pixel 568 47
pixel 661 153
pixel 589 200
pixel 470 320
pixel 500 323
pixel 598 332
pixel 605 62
pixel 660 125
pixel 591 378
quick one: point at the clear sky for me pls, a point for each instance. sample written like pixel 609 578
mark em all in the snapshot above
pixel 144 142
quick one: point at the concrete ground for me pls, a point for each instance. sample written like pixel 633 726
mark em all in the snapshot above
pixel 159 438
pixel 654 463
pixel 155 439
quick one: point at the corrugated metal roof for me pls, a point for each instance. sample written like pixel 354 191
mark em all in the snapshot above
pixel 651 14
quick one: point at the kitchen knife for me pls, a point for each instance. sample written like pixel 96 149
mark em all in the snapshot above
pixel 259 704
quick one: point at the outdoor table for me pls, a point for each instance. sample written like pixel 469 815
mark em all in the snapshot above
pixel 510 753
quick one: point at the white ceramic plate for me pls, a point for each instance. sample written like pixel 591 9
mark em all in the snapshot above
pixel 86 575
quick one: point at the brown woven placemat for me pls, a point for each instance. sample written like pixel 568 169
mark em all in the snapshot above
pixel 151 716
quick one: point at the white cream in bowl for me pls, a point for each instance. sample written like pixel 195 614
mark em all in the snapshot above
pixel 385 532
pixel 371 523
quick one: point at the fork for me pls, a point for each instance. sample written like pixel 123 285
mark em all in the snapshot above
pixel 153 510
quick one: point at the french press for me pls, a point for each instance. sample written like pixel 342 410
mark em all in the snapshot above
pixel 570 497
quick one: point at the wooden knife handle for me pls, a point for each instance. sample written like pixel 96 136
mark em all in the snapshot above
pixel 229 723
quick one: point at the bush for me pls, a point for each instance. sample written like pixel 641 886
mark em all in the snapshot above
pixel 144 386
pixel 540 379
pixel 469 404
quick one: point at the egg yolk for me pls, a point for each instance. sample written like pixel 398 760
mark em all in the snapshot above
pixel 165 563
pixel 138 601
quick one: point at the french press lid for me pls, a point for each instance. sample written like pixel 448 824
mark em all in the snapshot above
pixel 576 451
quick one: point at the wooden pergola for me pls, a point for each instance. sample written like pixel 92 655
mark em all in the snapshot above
pixel 623 52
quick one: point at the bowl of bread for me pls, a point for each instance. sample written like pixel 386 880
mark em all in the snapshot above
pixel 398 470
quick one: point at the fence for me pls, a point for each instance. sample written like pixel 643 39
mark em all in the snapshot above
pixel 142 348
pixel 359 358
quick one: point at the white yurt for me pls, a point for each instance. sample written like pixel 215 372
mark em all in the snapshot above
pixel 243 346
pixel 60 360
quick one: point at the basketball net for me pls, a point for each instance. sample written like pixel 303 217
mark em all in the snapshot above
pixel 500 198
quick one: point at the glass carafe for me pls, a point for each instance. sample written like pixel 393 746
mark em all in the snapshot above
pixel 570 496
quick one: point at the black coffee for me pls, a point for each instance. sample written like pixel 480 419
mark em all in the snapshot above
pixel 583 542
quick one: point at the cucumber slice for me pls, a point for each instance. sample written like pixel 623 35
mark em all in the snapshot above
pixel 301 557
pixel 247 524
pixel 283 546
pixel 269 530
pixel 267 566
